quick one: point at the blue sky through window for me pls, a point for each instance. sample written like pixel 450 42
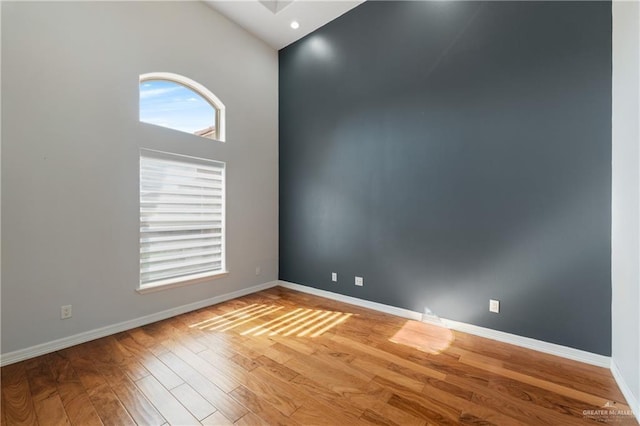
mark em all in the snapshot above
pixel 168 104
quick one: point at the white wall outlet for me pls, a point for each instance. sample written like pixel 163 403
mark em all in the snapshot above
pixel 430 316
pixel 359 281
pixel 334 277
pixel 65 312
pixel 494 306
pixel 258 270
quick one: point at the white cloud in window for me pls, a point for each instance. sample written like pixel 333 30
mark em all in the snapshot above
pixel 149 93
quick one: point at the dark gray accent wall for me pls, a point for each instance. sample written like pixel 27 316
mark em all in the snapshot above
pixel 453 152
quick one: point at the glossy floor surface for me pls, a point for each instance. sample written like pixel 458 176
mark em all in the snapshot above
pixel 283 357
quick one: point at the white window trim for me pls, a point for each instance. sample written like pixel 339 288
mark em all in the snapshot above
pixel 202 91
pixel 182 282
pixel 196 278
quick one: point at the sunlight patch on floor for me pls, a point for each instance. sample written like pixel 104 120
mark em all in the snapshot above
pixel 427 338
pixel 299 322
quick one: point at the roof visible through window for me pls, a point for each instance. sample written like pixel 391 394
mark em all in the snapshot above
pixel 175 106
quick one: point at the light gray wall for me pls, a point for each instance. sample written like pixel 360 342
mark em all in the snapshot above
pixel 625 235
pixel 70 145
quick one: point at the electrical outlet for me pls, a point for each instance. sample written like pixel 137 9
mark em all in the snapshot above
pixel 430 317
pixel 65 312
pixel 334 277
pixel 494 306
pixel 258 270
pixel 359 281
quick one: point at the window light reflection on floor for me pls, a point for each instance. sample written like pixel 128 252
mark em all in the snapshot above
pixel 429 338
pixel 300 322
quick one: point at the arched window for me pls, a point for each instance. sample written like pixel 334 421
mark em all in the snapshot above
pixel 179 103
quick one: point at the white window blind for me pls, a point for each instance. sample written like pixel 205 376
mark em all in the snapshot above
pixel 181 218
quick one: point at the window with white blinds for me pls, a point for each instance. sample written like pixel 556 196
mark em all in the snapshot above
pixel 182 204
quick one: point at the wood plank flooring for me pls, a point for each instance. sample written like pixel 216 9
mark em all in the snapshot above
pixel 283 357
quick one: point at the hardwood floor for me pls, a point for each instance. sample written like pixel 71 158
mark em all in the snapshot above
pixel 283 357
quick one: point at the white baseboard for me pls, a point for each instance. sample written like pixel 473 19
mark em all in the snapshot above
pixel 529 343
pixel 526 342
pixel 65 342
pixel 400 312
pixel 626 390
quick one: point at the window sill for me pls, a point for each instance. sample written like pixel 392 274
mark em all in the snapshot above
pixel 166 285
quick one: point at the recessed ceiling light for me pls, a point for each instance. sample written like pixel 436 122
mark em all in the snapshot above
pixel 295 25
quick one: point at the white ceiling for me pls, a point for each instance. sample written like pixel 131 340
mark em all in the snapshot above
pixel 270 20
